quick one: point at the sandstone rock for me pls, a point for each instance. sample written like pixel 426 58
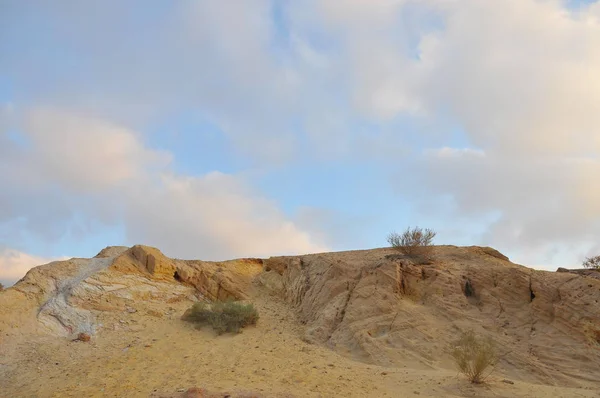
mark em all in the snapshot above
pixel 277 264
pixel 371 305
pixel 112 251
pixel 195 392
pixel 591 273
pixel 221 280
pixel 491 252
pixel 378 308
pixel 64 297
pixel 45 291
pixel 143 259
pixel 83 337
pixel 270 281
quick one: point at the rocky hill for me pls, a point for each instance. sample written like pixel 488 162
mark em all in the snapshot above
pixel 359 323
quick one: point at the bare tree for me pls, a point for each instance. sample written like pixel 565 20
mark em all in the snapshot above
pixel 412 241
pixel 592 262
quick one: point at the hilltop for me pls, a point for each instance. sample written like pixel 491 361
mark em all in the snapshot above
pixel 349 324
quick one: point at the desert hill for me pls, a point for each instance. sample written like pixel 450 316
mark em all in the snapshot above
pixel 365 323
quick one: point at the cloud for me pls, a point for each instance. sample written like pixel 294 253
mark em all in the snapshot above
pixel 58 165
pixel 73 167
pixel 512 83
pixel 215 216
pixel 275 94
pixel 15 264
pixel 521 88
pixel 540 200
pixel 210 57
pixel 523 82
pixel 524 88
pixel 82 153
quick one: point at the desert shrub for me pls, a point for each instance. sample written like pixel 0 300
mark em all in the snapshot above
pixel 412 242
pixel 223 316
pixel 474 355
pixel 592 262
pixel 1 287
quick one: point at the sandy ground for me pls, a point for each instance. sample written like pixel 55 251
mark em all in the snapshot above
pixel 148 352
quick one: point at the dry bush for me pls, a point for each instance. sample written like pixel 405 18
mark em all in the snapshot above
pixel 223 316
pixel 592 262
pixel 412 242
pixel 1 287
pixel 474 355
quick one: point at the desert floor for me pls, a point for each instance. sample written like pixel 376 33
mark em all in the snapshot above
pixel 153 352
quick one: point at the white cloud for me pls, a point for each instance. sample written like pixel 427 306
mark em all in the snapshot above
pixel 215 216
pixel 522 82
pixel 83 153
pixel 15 264
pixel 105 173
pixel 361 14
pixel 447 152
pixel 517 77
pixel 77 152
pixel 547 207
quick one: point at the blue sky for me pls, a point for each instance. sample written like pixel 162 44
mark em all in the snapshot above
pixel 216 130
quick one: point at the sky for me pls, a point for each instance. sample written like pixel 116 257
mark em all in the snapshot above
pixel 224 129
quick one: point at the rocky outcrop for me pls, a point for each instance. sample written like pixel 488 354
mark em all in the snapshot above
pixel 112 251
pixel 221 280
pixel 592 273
pixel 375 306
pixel 57 313
pixel 65 298
pixel 379 307
pixel 146 260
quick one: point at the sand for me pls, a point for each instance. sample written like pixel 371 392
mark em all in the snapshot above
pixel 137 355
pixel 348 324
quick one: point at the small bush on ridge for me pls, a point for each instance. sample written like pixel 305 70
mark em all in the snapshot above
pixel 592 262
pixel 412 241
pixel 223 316
pixel 474 355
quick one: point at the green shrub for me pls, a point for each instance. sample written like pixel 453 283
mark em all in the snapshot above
pixel 592 262
pixel 412 242
pixel 474 355
pixel 223 316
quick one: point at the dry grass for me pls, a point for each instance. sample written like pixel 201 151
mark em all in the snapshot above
pixel 228 316
pixel 474 356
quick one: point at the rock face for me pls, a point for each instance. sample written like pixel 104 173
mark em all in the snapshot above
pixel 64 298
pixel 221 280
pixel 379 307
pixel 592 273
pixel 375 306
